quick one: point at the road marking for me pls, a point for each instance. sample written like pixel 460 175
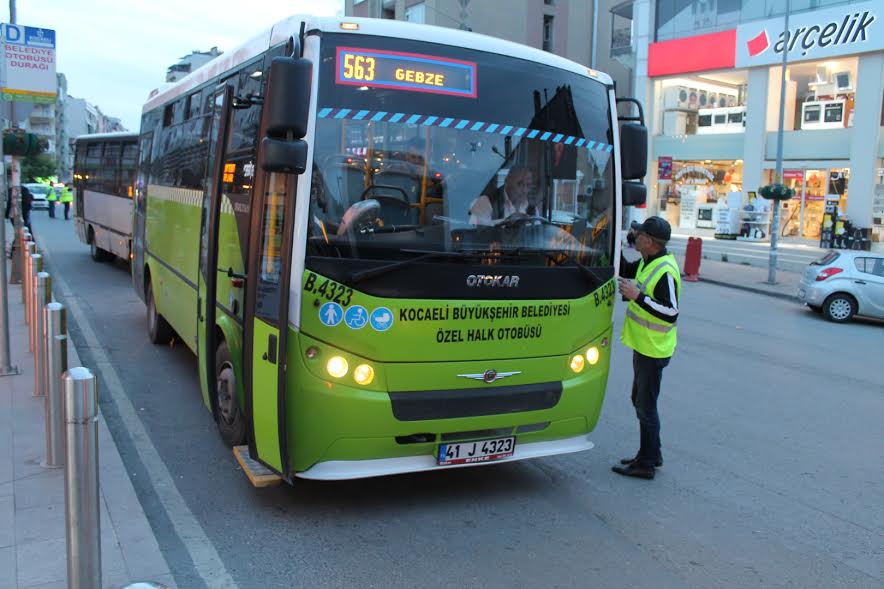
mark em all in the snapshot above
pixel 202 552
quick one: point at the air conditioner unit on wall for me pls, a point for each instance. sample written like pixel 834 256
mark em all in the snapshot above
pixel 675 97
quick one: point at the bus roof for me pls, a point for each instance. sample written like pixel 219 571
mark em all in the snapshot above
pixel 280 32
pixel 108 136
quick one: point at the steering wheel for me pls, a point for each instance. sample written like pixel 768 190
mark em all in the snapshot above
pixel 386 201
pixel 519 219
pixel 360 216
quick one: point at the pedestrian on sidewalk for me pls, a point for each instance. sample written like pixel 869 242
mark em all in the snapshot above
pixel 649 329
pixel 26 203
pixel 67 197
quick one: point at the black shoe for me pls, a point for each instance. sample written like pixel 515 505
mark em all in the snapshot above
pixel 635 470
pixel 657 464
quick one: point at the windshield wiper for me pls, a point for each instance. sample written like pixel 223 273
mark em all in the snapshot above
pixel 357 277
pixel 587 272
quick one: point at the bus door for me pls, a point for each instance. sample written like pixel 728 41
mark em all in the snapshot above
pixel 209 273
pixel 139 239
pixel 267 316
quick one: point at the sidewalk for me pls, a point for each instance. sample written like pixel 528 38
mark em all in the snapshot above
pixel 746 277
pixel 32 510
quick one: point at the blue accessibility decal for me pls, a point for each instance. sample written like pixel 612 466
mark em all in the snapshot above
pixel 331 314
pixel 381 319
pixel 356 317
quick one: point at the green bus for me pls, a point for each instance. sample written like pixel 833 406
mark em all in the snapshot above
pixel 392 247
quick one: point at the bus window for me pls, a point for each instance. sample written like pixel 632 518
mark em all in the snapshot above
pixel 109 164
pixel 269 263
pixel 93 166
pixel 127 170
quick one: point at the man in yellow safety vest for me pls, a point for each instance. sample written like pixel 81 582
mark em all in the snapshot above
pixel 649 329
pixel 67 197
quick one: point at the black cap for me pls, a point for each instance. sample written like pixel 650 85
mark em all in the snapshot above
pixel 656 227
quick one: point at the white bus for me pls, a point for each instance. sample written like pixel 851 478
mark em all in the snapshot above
pixel 104 172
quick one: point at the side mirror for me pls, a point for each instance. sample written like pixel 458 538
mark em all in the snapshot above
pixel 633 151
pixel 634 194
pixel 285 157
pixel 287 98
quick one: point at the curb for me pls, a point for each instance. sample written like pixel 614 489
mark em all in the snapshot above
pixel 761 291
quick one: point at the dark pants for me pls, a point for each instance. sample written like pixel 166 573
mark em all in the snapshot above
pixel 52 209
pixel 67 210
pixel 647 375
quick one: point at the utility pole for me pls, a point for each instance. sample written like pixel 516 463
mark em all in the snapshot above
pixel 778 175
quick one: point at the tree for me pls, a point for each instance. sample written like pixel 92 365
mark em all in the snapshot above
pixel 38 166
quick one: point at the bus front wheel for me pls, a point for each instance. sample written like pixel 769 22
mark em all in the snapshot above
pixel 231 422
pixel 158 329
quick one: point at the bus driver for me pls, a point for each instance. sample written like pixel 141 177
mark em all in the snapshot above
pixel 507 200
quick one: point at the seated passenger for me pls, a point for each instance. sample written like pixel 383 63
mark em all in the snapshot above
pixel 507 200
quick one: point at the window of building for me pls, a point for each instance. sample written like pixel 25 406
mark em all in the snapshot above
pixel 416 13
pixel 819 95
pixel 690 190
pixel 621 29
pixel 708 104
pixel 549 2
pixel 548 32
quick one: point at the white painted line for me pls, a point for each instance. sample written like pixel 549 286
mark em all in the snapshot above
pixel 201 550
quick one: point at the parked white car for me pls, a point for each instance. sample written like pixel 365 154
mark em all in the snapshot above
pixel 843 284
pixel 39 192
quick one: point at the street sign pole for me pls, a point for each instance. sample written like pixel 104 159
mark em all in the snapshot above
pixel 778 176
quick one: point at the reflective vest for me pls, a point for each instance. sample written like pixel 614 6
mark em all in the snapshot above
pixel 66 195
pixel 643 332
pixel 53 195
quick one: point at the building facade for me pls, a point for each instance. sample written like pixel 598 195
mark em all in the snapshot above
pixel 711 81
pixel 189 63
pixel 563 27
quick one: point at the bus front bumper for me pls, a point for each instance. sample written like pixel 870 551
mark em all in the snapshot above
pixel 358 469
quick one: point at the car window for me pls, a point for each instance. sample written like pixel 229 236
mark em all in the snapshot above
pixel 830 257
pixel 860 264
pixel 878 269
pixel 37 189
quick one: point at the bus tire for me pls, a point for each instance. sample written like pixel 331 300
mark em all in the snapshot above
pixel 158 329
pixel 98 254
pixel 231 421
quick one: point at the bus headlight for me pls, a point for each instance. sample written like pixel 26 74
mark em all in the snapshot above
pixel 577 363
pixel 363 374
pixel 592 356
pixel 337 366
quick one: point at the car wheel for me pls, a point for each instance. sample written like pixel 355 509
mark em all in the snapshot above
pixel 231 421
pixel 158 329
pixel 839 308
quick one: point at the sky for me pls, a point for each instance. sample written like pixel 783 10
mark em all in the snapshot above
pixel 114 52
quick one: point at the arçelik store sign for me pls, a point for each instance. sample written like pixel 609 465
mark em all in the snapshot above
pixel 820 34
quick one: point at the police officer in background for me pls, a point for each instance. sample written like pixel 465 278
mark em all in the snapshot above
pixel 649 329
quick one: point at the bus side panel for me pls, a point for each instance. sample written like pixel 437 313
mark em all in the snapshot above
pixel 230 298
pixel 173 230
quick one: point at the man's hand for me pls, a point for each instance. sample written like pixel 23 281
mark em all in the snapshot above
pixel 628 288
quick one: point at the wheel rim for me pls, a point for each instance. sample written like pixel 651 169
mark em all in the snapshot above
pixel 840 309
pixel 226 393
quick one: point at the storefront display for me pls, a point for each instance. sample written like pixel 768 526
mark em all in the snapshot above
pixel 689 198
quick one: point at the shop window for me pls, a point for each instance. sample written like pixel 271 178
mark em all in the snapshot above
pixel 824 93
pixel 690 190
pixel 711 104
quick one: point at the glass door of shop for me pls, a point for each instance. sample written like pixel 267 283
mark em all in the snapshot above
pixel 802 216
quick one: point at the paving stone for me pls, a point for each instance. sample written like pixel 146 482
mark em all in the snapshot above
pixel 37 524
pixel 7 567
pixel 41 562
pixel 46 488
pixel 7 521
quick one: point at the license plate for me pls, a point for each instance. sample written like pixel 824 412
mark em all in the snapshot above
pixel 471 452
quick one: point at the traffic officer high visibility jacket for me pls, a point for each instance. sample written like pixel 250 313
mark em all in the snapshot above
pixel 52 196
pixel 66 195
pixel 642 331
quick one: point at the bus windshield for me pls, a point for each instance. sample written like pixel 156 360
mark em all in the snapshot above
pixel 430 148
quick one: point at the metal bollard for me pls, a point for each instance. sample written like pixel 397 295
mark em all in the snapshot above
pixel 43 289
pixel 82 515
pixel 30 250
pixel 56 342
pixel 36 268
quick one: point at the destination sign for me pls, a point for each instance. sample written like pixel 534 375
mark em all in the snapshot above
pixel 410 72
